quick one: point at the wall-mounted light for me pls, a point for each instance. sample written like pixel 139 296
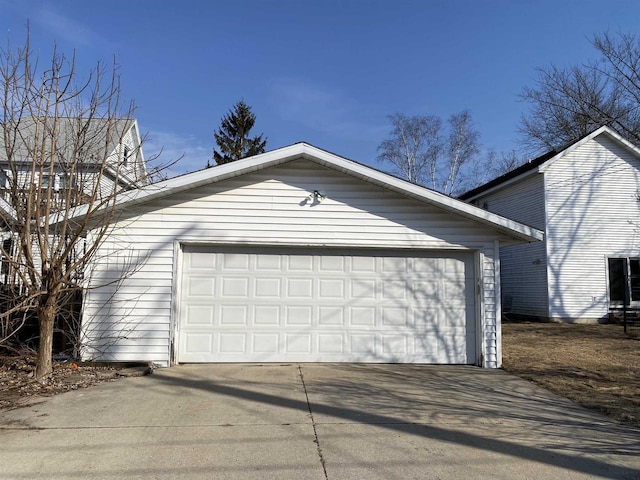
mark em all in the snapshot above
pixel 313 199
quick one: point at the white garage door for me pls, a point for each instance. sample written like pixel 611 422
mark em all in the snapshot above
pixel 290 305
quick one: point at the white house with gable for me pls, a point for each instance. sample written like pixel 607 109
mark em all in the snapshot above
pixel 586 199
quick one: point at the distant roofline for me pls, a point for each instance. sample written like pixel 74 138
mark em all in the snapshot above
pixel 544 161
pixel 522 169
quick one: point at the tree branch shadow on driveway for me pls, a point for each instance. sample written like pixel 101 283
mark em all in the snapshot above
pixel 583 461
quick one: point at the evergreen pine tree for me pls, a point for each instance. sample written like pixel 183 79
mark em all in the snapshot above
pixel 233 135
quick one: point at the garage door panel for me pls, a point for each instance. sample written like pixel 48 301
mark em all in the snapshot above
pixel 198 342
pixel 196 315
pixel 299 288
pixel 299 315
pixel 327 347
pixel 235 262
pixel 200 261
pixel 235 287
pixel 267 316
pixel 232 343
pixel 262 305
pixel 265 343
pixel 200 286
pixel 362 289
pixel 330 343
pixel 362 316
pixel 330 316
pixel 299 343
pixel 331 289
pixel 394 316
pixel 395 290
pixel 233 315
pixel 300 263
pixel 331 263
pixel 394 265
pixel 394 345
pixel 363 264
pixel 268 287
pixel 269 263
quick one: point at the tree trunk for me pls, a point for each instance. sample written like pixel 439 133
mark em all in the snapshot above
pixel 46 319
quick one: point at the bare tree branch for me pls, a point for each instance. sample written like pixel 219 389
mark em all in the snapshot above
pixel 420 152
pixel 569 103
pixel 66 141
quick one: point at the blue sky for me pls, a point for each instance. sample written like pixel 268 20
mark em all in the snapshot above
pixel 325 72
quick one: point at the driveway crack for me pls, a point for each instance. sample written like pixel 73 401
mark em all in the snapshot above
pixel 313 423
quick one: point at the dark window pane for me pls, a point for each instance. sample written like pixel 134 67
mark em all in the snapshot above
pixel 634 274
pixel 616 279
pixel 7 249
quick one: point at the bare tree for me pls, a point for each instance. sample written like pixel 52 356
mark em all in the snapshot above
pixel 63 142
pixel 421 152
pixel 413 147
pixel 462 147
pixel 568 103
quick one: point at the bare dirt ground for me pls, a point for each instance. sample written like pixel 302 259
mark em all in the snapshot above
pixel 596 366
pixel 19 389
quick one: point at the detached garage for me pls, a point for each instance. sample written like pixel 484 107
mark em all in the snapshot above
pixel 297 255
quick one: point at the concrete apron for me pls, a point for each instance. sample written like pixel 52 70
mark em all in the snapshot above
pixel 329 421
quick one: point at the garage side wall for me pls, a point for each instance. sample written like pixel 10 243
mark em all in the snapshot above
pixel 129 310
pixel 489 309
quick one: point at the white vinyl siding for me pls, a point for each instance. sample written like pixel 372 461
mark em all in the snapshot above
pixel 270 207
pixel 523 267
pixel 592 214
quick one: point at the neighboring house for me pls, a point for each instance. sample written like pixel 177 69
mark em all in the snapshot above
pixel 297 255
pixel 81 145
pixel 585 198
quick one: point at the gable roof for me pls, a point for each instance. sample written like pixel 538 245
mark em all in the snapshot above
pixel 306 151
pixel 541 163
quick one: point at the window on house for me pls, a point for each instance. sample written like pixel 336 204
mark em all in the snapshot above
pixel 624 280
pixel 6 253
pixel 67 182
pixel 125 155
pixel 3 179
pixel 46 181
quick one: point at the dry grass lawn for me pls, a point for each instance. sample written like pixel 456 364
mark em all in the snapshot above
pixel 597 366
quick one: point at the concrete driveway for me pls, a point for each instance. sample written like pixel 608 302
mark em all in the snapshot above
pixel 314 422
